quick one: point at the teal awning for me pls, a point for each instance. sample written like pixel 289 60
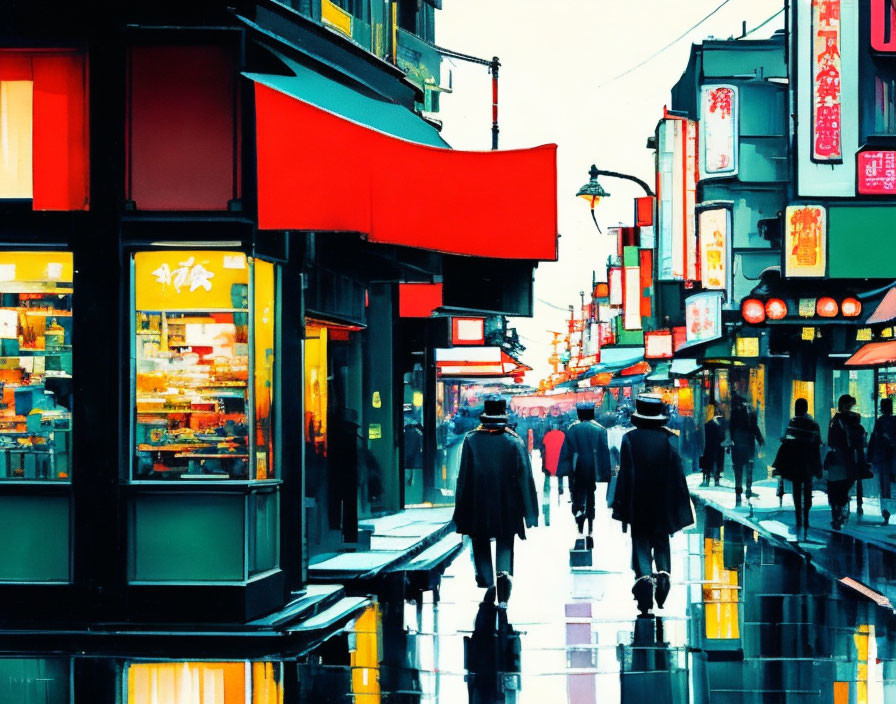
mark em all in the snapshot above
pixel 684 367
pixel 327 94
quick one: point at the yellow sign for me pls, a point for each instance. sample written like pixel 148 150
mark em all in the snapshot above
pixel 806 237
pixel 374 431
pixel 808 334
pixel 377 400
pixel 747 346
pixel 418 398
pixel 190 280
pixel 807 307
pixel 863 335
pixel 886 332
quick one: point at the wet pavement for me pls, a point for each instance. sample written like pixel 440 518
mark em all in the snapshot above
pixel 747 621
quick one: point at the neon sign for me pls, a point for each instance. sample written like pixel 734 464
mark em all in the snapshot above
pixel 876 172
pixel 826 89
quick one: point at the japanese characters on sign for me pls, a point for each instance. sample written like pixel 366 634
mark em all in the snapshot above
pixel 631 319
pixel 715 238
pixel 719 130
pixel 826 74
pixel 876 172
pixel 883 26
pixel 703 316
pixel 805 249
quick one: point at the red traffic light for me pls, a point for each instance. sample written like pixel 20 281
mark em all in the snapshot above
pixel 827 307
pixel 776 309
pixel 753 311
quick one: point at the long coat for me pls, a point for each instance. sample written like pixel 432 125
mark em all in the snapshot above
pixel 743 427
pixel 585 455
pixel 495 491
pixel 713 437
pixel 799 457
pixel 882 445
pixel 846 437
pixel 651 492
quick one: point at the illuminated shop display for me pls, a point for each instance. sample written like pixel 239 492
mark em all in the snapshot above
pixel 204 339
pixel 715 242
pixel 35 365
pixel 213 682
pixel 720 592
pixel 827 127
pixel 806 240
pixel 876 173
pixel 703 316
pixel 718 130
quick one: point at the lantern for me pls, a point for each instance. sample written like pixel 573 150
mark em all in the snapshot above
pixel 851 307
pixel 827 307
pixel 776 309
pixel 753 311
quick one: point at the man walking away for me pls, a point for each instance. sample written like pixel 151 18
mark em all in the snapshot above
pixel 744 431
pixel 713 458
pixel 585 459
pixel 495 498
pixel 799 461
pixel 845 459
pixel 652 497
pixel 882 453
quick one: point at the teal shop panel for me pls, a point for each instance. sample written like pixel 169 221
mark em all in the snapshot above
pixel 35 680
pixel 862 242
pixel 264 536
pixel 36 539
pixel 751 204
pixel 763 160
pixel 190 537
pixel 733 61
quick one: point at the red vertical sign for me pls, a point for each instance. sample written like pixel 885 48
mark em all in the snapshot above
pixel 883 26
pixel 876 172
pixel 826 89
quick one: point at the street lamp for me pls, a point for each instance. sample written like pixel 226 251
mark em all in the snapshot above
pixel 593 191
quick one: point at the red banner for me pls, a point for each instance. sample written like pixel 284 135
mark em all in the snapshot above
pixel 883 26
pixel 320 172
pixel 826 89
pixel 876 173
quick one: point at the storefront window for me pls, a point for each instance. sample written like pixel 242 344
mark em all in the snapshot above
pixel 204 325
pixel 720 592
pixel 35 366
pixel 195 682
pixel 859 383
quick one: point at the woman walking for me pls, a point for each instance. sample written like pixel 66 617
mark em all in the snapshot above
pixel 882 453
pixel 799 461
pixel 845 459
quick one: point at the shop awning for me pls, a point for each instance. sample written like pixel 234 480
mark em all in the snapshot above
pixel 325 164
pixel 477 362
pixel 886 309
pixel 874 354
pixel 684 367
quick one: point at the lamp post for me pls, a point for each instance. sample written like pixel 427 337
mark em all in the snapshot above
pixel 593 191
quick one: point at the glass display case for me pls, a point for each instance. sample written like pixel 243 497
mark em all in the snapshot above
pixel 35 366
pixel 204 355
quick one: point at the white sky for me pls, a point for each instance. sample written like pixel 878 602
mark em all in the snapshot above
pixel 554 56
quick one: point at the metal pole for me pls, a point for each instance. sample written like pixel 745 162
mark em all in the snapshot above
pixel 493 67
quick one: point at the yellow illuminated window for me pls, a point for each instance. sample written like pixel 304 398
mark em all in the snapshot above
pixel 316 388
pixel 720 593
pixel 15 139
pixel 204 322
pixel 806 390
pixel 365 659
pixel 205 683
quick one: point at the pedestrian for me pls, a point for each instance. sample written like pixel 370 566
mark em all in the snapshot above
pixel 552 442
pixel 743 428
pixel 652 498
pixel 713 458
pixel 799 461
pixel 585 459
pixel 882 454
pixel 495 498
pixel 845 459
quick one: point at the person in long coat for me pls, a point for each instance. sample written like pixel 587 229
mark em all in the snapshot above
pixel 846 457
pixel 713 458
pixel 495 498
pixel 585 459
pixel 652 498
pixel 743 428
pixel 799 461
pixel 882 454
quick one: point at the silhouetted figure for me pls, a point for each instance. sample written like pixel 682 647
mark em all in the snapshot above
pixel 882 454
pixel 713 459
pixel 743 428
pixel 491 657
pixel 799 461
pixel 845 459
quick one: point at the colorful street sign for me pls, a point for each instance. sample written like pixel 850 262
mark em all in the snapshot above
pixel 658 344
pixel 631 319
pixel 876 173
pixel 718 130
pixel 883 26
pixel 827 128
pixel 805 252
pixel 703 316
pixel 714 227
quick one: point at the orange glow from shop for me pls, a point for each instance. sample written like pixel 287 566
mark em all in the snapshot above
pixel 827 307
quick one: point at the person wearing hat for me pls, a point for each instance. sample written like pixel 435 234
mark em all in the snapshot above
pixel 495 498
pixel 585 459
pixel 652 498
pixel 845 460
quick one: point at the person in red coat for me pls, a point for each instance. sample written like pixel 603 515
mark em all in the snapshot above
pixel 552 444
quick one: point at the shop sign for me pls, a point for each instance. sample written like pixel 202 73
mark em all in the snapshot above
pixel 863 335
pixel 718 130
pixel 690 201
pixel 374 431
pixel 468 331
pixel 807 307
pixel 808 334
pixel 703 316
pixel 715 238
pixel 747 347
pixel 806 241
pixel 876 173
pixel 679 337
pixel 658 344
pixel 188 280
pixel 631 319
pixel 827 127
pixel 677 183
pixel 615 277
pixel 883 26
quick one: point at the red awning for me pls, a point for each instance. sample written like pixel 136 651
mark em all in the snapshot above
pixel 886 309
pixel 874 354
pixel 318 171
pixel 477 362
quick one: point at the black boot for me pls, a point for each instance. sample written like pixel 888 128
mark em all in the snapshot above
pixel 643 591
pixel 663 585
pixel 505 584
pixel 886 516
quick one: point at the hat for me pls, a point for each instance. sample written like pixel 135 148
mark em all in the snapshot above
pixel 650 407
pixel 585 411
pixel 494 411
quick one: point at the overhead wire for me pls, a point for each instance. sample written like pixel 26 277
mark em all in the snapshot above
pixel 760 26
pixel 667 46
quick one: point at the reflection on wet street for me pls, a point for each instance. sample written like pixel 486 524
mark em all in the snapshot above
pixel 746 622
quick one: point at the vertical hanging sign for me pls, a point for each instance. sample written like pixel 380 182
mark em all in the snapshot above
pixel 715 239
pixel 883 26
pixel 718 131
pixel 615 277
pixel 631 319
pixel 826 90
pixel 670 201
pixel 692 272
pixel 806 248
